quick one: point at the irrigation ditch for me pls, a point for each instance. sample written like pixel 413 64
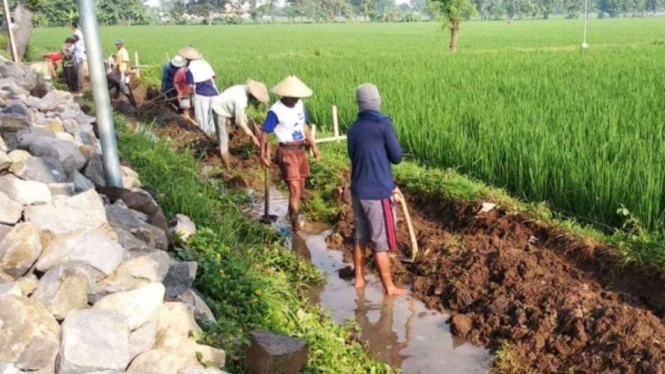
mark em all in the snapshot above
pixel 542 298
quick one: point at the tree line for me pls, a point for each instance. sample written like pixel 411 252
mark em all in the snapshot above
pixel 51 13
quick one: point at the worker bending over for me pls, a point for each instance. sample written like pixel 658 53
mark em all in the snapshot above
pixel 201 78
pixel 119 77
pixel 168 75
pixel 287 119
pixel 231 108
pixel 373 147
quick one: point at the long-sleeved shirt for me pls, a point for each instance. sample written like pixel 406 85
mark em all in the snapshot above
pixel 232 103
pixel 80 46
pixel 373 147
pixel 168 74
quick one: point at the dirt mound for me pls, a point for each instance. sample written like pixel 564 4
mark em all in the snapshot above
pixel 507 279
pixel 184 134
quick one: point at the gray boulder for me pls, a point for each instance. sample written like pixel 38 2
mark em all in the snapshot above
pixel 27 79
pixel 92 247
pixel 63 289
pixel 121 217
pixel 4 230
pixel 71 126
pixel 14 117
pixel 19 249
pixel 44 170
pixel 10 210
pixel 5 161
pixel 29 335
pixel 9 369
pixel 28 284
pixel 200 370
pixel 65 152
pixel 3 146
pixel 81 183
pixel 64 189
pixel 271 353
pixel 94 171
pixel 196 302
pixel 68 214
pixel 25 137
pixel 130 242
pixel 180 278
pixel 142 339
pixel 137 272
pixel 25 192
pixel 94 340
pixel 10 288
pixel 156 361
pixel 137 304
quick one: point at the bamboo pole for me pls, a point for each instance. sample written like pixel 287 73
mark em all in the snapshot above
pixel 313 137
pixel 167 56
pixel 333 139
pixel 138 68
pixel 335 122
pixel 10 30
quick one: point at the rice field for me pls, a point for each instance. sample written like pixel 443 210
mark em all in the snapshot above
pixel 520 106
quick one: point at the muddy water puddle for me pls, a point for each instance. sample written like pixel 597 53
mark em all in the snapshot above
pixel 401 332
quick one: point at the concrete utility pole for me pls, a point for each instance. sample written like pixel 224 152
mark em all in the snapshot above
pixel 100 92
pixel 10 30
pixel 586 18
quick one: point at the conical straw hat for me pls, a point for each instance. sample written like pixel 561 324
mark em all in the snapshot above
pixel 190 53
pixel 258 90
pixel 292 87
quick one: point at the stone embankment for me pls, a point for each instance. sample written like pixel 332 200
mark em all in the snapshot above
pixel 86 284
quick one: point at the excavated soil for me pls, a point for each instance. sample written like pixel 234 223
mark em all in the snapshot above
pixel 561 304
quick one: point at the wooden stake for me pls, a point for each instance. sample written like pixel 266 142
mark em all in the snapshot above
pixel 313 137
pixel 167 57
pixel 333 139
pixel 10 30
pixel 138 69
pixel 335 122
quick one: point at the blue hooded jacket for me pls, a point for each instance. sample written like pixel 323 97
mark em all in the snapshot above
pixel 373 147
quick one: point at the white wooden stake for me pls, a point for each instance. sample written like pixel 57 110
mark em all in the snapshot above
pixel 138 69
pixel 313 137
pixel 335 122
pixel 167 57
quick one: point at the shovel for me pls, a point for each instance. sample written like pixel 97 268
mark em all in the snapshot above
pixel 412 235
pixel 267 218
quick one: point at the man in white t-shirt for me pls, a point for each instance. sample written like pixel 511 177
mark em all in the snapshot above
pixel 287 119
pixel 81 57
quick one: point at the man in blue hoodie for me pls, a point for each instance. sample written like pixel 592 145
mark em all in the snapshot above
pixel 373 147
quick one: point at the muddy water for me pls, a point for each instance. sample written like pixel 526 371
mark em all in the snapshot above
pixel 401 332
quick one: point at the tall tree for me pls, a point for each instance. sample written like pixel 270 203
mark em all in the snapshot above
pixel 452 13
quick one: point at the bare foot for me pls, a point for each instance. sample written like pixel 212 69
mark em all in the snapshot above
pixel 360 283
pixel 397 292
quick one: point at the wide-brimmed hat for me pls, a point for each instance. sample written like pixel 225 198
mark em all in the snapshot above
pixel 189 53
pixel 178 61
pixel 292 87
pixel 258 90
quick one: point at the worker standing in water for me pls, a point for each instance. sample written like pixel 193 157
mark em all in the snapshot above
pixel 287 119
pixel 373 147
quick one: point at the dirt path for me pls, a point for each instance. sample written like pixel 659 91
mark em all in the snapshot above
pixel 561 305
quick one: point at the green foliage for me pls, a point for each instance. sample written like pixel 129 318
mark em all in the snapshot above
pixel 50 13
pixel 250 280
pixel 519 107
pixel 452 11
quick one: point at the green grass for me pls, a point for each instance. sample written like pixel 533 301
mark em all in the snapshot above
pixel 250 280
pixel 519 107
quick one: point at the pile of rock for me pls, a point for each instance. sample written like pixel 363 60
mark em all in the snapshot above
pixel 85 282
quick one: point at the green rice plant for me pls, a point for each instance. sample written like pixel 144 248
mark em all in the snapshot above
pixel 520 106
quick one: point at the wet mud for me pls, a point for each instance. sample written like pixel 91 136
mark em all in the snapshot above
pixel 554 303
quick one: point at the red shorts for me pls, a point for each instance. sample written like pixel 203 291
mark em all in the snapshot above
pixel 293 163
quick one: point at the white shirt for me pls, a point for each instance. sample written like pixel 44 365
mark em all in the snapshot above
pixel 80 46
pixel 291 122
pixel 232 103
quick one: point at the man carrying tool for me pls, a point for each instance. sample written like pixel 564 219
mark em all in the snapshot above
pixel 373 147
pixel 168 75
pixel 119 78
pixel 288 120
pixel 231 108
pixel 184 91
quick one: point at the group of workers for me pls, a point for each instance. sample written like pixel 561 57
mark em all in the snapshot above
pixel 372 147
pixel 74 60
